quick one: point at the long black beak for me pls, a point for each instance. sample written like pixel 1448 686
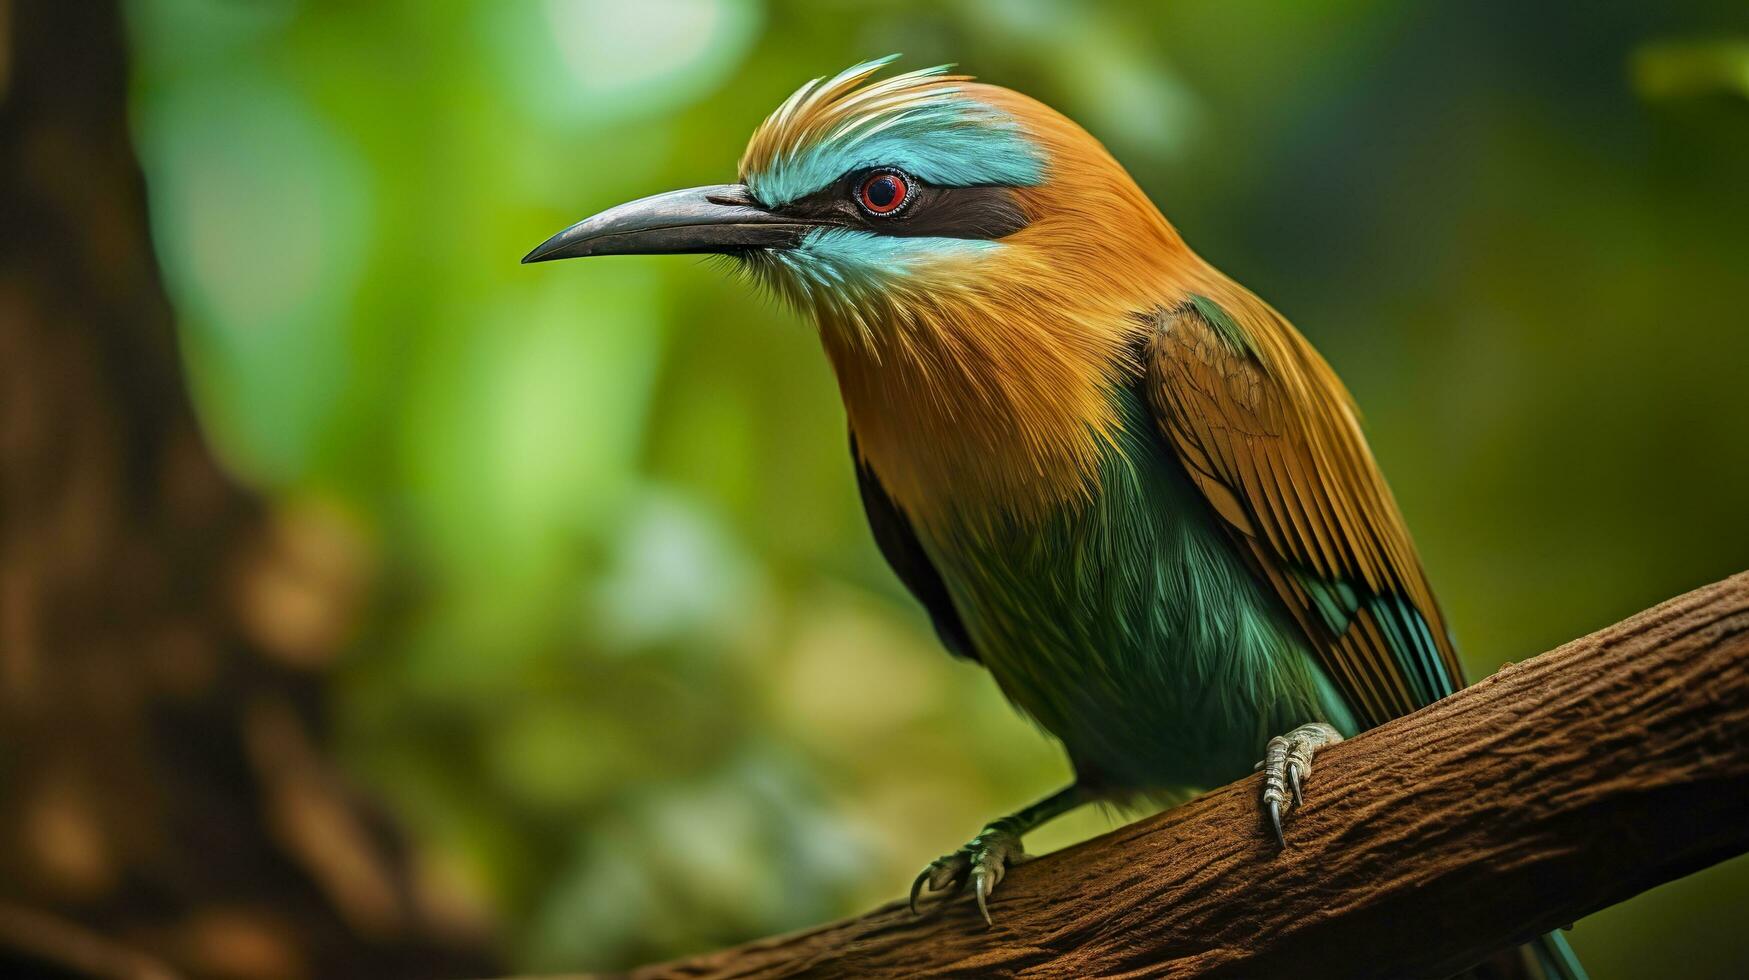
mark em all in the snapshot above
pixel 720 218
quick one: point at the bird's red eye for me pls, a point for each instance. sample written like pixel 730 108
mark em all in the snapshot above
pixel 882 192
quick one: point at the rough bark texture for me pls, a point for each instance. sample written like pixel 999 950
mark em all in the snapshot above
pixel 1546 792
pixel 165 803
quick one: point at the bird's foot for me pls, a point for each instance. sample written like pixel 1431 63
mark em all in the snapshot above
pixel 1287 763
pixel 983 862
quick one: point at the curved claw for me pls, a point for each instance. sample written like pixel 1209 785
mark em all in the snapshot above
pixel 1293 780
pixel 1275 821
pixel 917 889
pixel 982 863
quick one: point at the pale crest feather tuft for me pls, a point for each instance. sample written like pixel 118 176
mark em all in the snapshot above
pixel 851 109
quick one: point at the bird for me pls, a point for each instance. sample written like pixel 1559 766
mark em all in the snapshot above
pixel 1113 476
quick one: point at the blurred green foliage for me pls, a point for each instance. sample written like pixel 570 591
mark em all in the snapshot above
pixel 636 677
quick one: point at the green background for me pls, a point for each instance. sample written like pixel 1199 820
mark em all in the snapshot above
pixel 632 671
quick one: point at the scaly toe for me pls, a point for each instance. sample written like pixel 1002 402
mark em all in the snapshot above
pixel 1287 763
pixel 983 863
pixel 950 870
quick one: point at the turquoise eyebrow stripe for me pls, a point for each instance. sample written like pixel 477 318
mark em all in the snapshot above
pixel 949 140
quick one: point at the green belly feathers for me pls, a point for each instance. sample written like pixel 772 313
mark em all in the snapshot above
pixel 1130 627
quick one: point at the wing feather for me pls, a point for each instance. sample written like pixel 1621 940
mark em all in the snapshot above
pixel 1272 443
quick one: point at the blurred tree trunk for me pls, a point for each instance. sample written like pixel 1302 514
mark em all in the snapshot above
pixel 166 806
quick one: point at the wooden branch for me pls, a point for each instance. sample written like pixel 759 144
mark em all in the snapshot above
pixel 1546 792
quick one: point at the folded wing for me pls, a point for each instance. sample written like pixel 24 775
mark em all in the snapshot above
pixel 1268 434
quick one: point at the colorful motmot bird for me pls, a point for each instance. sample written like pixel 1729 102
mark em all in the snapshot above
pixel 1112 475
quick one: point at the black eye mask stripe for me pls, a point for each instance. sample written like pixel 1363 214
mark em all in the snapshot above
pixel 929 211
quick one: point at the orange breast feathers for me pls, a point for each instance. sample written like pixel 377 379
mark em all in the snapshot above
pixel 982 382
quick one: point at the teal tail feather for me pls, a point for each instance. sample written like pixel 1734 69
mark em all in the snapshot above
pixel 1556 958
